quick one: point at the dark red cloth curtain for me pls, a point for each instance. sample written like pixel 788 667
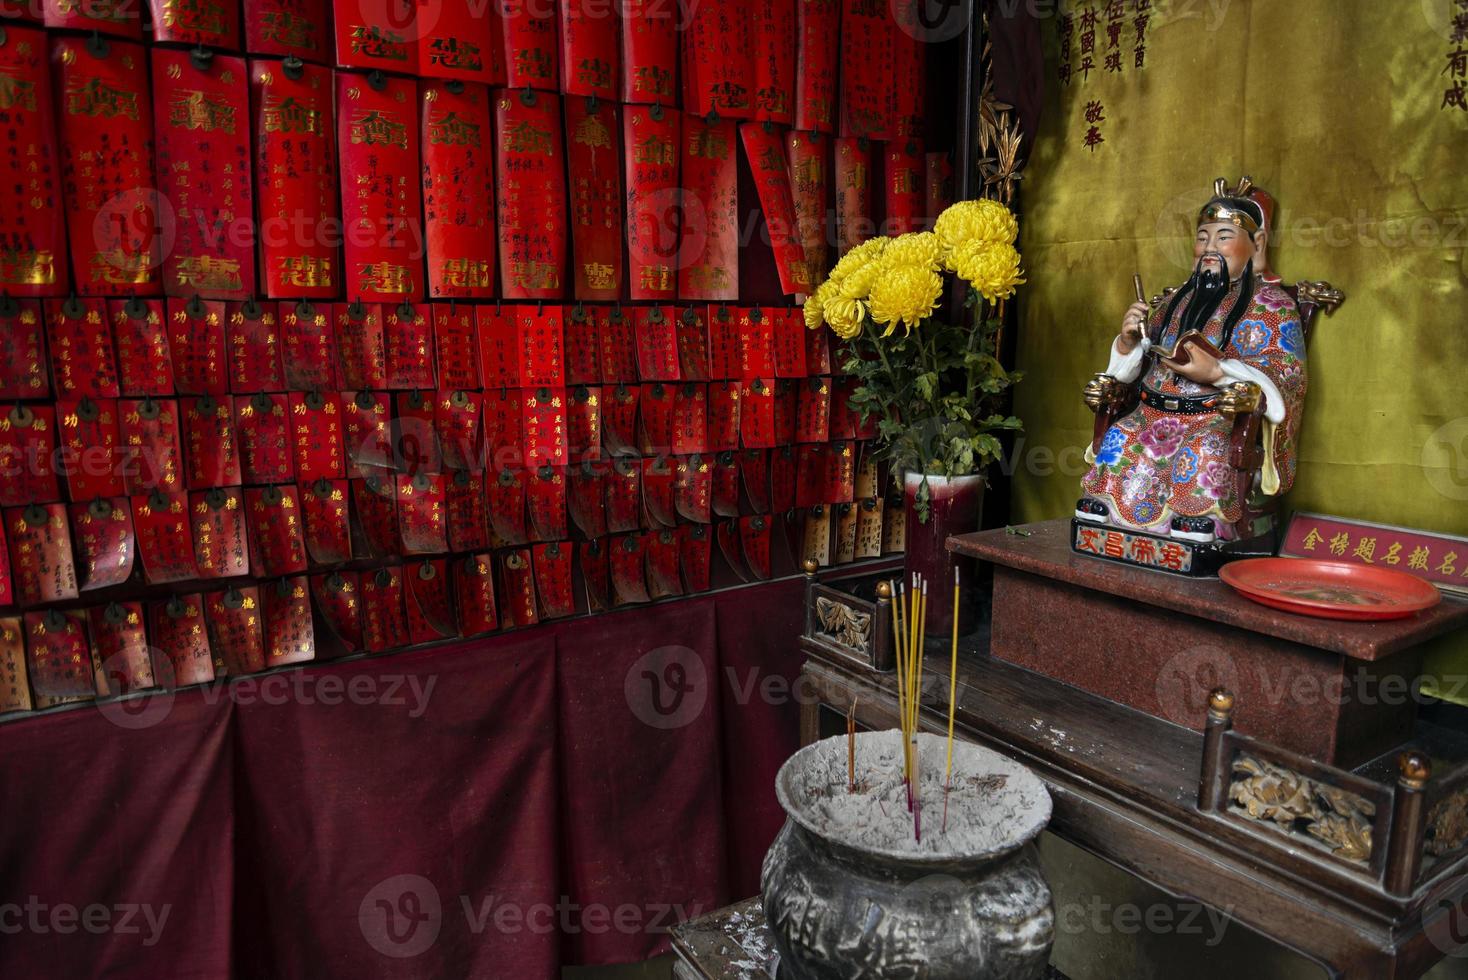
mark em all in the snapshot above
pixel 488 808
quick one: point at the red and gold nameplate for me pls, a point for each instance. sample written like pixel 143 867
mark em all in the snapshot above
pixel 102 532
pixel 60 659
pixel 594 164
pixel 532 195
pixel 590 56
pixel 115 18
pixel 287 27
pixel 378 34
pixel 236 630
pixel 144 358
pixel 221 545
pixel 650 51
pixel 1441 559
pixel 458 189
pixel 254 348
pixel 474 589
pixel 774 60
pixel 309 339
pixel 905 186
pixel 651 145
pixel 868 44
pixel 853 174
pixel 29 458
pixel 32 224
pixel 165 543
pixel 818 35
pixel 210 23
pixel 460 39
pixel 289 633
pixel 718 72
pixel 708 256
pixel 531 55
pixel 41 566
pixel 809 157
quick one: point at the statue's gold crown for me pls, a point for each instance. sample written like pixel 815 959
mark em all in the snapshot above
pixel 1220 208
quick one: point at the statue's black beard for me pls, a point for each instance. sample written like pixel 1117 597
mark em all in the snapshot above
pixel 1208 290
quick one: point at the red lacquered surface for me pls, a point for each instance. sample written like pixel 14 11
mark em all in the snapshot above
pixel 1335 590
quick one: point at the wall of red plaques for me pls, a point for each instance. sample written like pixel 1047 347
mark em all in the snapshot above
pixel 346 326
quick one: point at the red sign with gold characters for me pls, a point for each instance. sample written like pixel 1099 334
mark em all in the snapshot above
pixel 708 253
pixel 532 195
pixel 766 155
pixel 1441 559
pixel 296 179
pixel 32 229
pixel 287 27
pixel 201 116
pixel 529 30
pixel 460 39
pixel 651 145
pixel 718 72
pixel 590 55
pixel 458 182
pixel 818 26
pixel 211 23
pixel 377 34
pixel 649 51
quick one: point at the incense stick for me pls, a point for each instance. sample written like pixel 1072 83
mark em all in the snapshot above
pixel 952 701
pixel 851 747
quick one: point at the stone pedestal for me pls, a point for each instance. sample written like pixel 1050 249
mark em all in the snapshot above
pixel 1340 692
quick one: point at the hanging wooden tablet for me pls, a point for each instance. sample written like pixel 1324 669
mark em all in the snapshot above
pixel 288 27
pixel 458 188
pixel 374 504
pixel 165 545
pixel 809 156
pixel 708 252
pixel 594 166
pixel 810 474
pixel 15 687
pixel 531 53
pixel 817 351
pixel 115 18
pixel 869 528
pixel 661 551
pixel 841 472
pixel 583 346
pixel 813 412
pixel 378 34
pixel 656 330
pixel 207 23
pixel 868 44
pixel 625 555
pixel 426 601
pixel 619 418
pixel 103 542
pixel 787 406
pixel 583 424
pixel 316 436
pixel 467 509
pixel 414 433
pixel 24 368
pixel 689 428
pixel 460 39
pixel 650 30
pixel 754 468
pixel 217 524
pixel 503 444
pixel 326 516
pixel 32 226
pixel 552 563
pixel 262 428
pixel 718 73
pixel 377 130
pixel 727 534
pixel 119 649
pixel 657 491
pixel 236 628
pixel 693 488
pixel 693 353
pixel 41 566
pixel 531 195
pixel 407 338
pixel 788 338
pixel 277 541
pixel 254 347
pixel 309 340
pixel 367 434
pixel 296 179
pixel 361 345
pixel 541 338
pixel 384 624
pixel 904 181
pixel 695 546
pixel 586 497
pixel 80 345
pixel 726 485
pixel 106 132
pixel 618 345
pixel 456 346
pixel 817 535
pixel 774 60
pixel 543 426
pixel 723 333
pixel 474 592
pixel 177 630
pixel 140 337
pixel 853 174
pixel 59 655
pixel 507 522
pixel 723 415
pixel 29 457
pixel 782 479
pixel 198 345
pixel 590 53
pixel 757 414
pixel 456 423
pixel 818 36
pixel 211 448
pixel 152 457
pixel 289 633
pixel 847 516
pixel 517 582
pixel 756 333
pixel 624 495
pixel 651 141
pixel 422 521
pixel 655 431
pixel 754 544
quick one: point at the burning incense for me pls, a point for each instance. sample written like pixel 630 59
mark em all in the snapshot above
pixel 851 747
pixel 953 697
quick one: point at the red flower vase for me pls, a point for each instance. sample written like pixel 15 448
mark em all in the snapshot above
pixel 954 503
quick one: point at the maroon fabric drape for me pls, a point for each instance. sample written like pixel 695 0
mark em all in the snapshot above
pixel 486 808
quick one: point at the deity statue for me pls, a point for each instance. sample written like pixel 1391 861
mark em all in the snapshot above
pixel 1199 409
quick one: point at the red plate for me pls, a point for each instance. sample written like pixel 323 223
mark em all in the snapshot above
pixel 1331 589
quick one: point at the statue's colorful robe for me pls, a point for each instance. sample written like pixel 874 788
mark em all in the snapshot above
pixel 1154 464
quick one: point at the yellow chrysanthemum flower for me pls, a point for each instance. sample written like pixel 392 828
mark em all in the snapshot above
pixel 859 256
pixel 845 316
pixel 814 307
pixel 859 283
pixel 976 221
pixel 905 295
pixel 916 248
pixel 992 268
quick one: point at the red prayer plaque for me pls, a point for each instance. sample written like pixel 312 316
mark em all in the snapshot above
pixel 619 418
pixel 809 159
pixel 727 533
pixel 106 130
pixel 144 363
pixel 657 419
pixel 594 168
pixel 24 371
pixel 211 447
pixel 661 549
pixel 586 498
pixel 383 622
pixel 499 346
pixel 460 39
pixel 939 186
pixel 618 346
pixel 787 404
pixel 626 558
pixel 651 140
pixel 754 544
pixel 624 495
pixel 41 567
pixel 421 514
pixel 254 348
pixel 788 338
pixel 725 490
pixel 414 434
pixel 456 419
pixel 374 502
pixel 723 333
pixel 15 688
pixel 427 601
pixel 103 542
pixel 695 547
pixel 148 430
pixel 590 55
pixel 277 541
pixel 689 427
pixel 316 434
pixel 211 23
pixel 545 496
pixel 458 187
pixel 288 27
pixel 650 31
pixel 408 344
pixel 764 150
pixel 540 341
pixel 817 352
pixel 117 18
pixel 868 529
pixel 32 225
pixel 60 658
pixel 503 446
pixel 29 458
pixel 543 426
pixel 201 121
pixel 552 564
pixel 197 341
pixel 179 634
pixel 377 130
pixel 656 330
pixel 905 176
pixel 718 72
pixel 596 573
pixel 262 426
pixel 337 596
pixel 756 343
pixel 362 345
pixel 120 652
pixel 907 93
pixel 841 473
pixel 816 544
pixel 853 175
pixel 658 474
pixel 289 633
pixel 468 510
pixel 708 253
pixel 754 467
pixel 296 179
pixel 583 424
pixel 311 361
pixel 456 345
pixel 529 31
pixel 506 493
pixel 782 479
pixel 723 415
pixel 811 481
pixel 82 362
pixel 326 514
pixel 813 415
pixel 165 544
pixel 380 34
pixel 846 520
pixel 531 194
pixel 583 347
pixel 367 431
pixel 757 414
pixel 693 353
pixel 236 630
pixel 774 60
pixel 693 487
pixel 868 45
pixel 474 590
pixel 221 546
pixel 517 581
pixel 818 36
